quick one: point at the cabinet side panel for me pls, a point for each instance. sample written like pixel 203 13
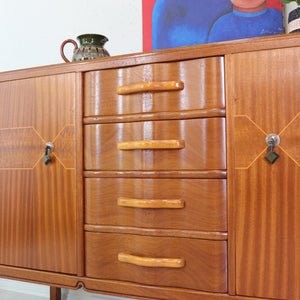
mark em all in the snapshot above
pixel 54 237
pixel 38 201
pixel 54 247
pixel 19 152
pixel 15 217
pixel 265 93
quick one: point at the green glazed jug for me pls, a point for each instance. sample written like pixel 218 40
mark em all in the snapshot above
pixel 91 47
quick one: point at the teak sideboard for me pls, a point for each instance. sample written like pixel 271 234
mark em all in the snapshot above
pixel 175 174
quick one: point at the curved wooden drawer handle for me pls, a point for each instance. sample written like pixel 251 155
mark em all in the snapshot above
pixel 153 144
pixel 147 203
pixel 151 262
pixel 150 87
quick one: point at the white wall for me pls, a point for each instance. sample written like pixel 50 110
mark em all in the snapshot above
pixel 31 34
pixel 33 30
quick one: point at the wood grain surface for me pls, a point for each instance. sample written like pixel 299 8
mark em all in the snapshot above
pixel 266 100
pixel 41 207
pixel 203 81
pixel 204 139
pixel 38 207
pixel 204 203
pixel 205 261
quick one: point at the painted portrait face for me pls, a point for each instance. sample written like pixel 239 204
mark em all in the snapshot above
pixel 248 4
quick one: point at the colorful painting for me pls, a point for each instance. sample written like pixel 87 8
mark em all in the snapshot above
pixel 175 23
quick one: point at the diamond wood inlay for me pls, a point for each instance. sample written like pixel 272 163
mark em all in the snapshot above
pixel 64 147
pixel 290 139
pixel 20 148
pixel 266 196
pixel 38 211
pixel 249 141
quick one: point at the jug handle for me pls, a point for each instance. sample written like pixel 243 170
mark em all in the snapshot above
pixel 62 48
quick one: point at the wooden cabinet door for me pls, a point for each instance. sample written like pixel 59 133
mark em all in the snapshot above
pixel 265 99
pixel 37 201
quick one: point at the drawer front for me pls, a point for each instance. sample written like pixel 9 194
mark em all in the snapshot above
pixel 160 261
pixel 196 144
pixel 183 204
pixel 201 86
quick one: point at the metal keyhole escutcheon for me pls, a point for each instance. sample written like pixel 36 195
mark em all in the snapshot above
pixel 272 141
pixel 48 149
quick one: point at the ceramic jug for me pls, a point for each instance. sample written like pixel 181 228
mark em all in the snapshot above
pixel 91 47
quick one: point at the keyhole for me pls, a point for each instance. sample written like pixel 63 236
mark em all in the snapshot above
pixel 48 149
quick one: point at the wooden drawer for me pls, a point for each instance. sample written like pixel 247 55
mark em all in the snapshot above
pixel 202 81
pixel 196 264
pixel 200 145
pixel 183 204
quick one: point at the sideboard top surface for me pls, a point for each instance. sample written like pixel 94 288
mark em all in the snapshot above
pixel 165 55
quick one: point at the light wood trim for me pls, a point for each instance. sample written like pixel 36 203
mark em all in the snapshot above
pixel 153 144
pixel 150 203
pixel 143 87
pixel 151 262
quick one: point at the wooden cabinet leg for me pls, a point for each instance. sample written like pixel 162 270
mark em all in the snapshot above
pixel 55 293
